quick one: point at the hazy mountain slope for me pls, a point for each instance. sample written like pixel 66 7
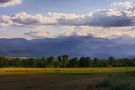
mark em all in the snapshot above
pixel 74 46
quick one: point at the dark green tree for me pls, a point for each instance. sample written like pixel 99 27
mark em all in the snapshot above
pixel 74 62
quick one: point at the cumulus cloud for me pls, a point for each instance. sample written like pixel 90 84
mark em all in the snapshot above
pixel 105 23
pixel 99 18
pixel 122 5
pixel 24 18
pixel 6 3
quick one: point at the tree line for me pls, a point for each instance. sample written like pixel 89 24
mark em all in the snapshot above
pixel 65 61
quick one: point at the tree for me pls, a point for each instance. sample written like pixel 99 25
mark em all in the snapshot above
pixel 4 62
pixel 64 60
pixel 84 62
pixel 56 64
pixel 50 61
pixel 73 62
pixel 111 61
pixel 96 62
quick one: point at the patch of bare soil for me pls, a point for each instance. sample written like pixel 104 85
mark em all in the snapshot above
pixel 50 82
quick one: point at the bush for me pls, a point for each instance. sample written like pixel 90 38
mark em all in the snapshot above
pixel 124 81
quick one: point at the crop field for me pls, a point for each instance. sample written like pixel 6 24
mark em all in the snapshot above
pixel 64 71
pixel 63 78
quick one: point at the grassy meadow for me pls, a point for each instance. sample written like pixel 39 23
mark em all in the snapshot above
pixel 64 71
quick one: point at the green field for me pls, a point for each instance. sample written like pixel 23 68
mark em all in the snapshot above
pixel 64 71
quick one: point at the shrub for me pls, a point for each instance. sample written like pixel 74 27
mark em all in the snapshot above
pixel 124 81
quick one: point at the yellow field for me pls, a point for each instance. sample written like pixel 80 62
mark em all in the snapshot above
pixel 63 71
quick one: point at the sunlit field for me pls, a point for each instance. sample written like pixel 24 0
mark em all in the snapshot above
pixel 64 71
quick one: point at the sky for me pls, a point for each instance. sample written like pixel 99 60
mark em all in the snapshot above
pixel 36 19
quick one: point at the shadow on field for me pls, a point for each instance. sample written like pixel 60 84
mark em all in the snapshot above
pixel 51 82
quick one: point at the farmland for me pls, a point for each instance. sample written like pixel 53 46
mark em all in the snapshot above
pixel 50 82
pixel 64 71
pixel 57 78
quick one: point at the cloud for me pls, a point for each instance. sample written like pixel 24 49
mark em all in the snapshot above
pixel 98 32
pixel 122 5
pixel 99 18
pixel 6 3
pixel 110 33
pixel 37 34
pixel 110 18
pixel 105 23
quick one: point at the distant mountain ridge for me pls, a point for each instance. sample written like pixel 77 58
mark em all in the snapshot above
pixel 73 46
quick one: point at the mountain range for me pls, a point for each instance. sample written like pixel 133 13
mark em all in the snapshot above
pixel 73 46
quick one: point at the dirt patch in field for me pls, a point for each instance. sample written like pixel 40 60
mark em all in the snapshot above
pixel 50 82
